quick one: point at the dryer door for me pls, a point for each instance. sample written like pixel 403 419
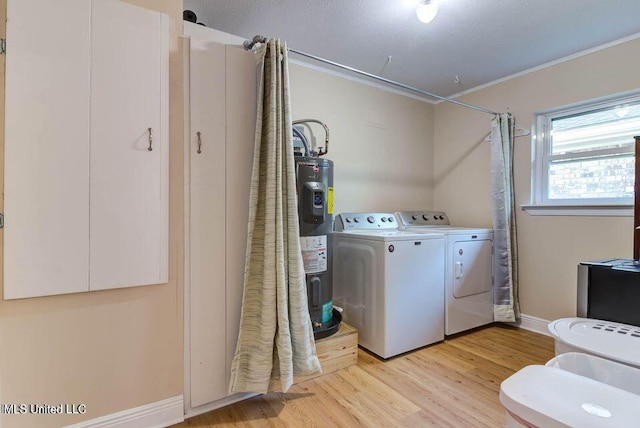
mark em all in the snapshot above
pixel 472 267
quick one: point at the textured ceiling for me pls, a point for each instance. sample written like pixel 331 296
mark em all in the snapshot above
pixel 477 40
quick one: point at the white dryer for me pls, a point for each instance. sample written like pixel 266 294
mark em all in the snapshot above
pixel 469 268
pixel 389 282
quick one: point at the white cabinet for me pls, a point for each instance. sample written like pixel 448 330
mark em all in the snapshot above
pixel 207 216
pixel 129 182
pixel 219 133
pixel 46 186
pixel 85 202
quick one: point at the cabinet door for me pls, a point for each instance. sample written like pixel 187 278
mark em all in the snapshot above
pixel 241 81
pixel 46 193
pixel 129 183
pixel 207 222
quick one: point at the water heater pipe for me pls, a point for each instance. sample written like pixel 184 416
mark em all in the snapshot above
pixel 326 131
pixel 305 143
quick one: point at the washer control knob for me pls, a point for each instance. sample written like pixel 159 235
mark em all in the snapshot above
pixel 426 217
pixel 370 219
pixel 391 219
pixel 348 219
pixel 415 217
pixel 384 219
pixel 357 219
pixel 441 217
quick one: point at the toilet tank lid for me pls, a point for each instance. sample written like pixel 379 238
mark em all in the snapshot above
pixel 550 397
pixel 612 340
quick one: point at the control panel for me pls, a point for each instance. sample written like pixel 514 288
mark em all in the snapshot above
pixel 349 221
pixel 423 218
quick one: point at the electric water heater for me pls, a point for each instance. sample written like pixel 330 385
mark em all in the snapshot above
pixel 315 209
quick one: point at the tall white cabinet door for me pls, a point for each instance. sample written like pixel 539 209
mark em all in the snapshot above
pixel 129 182
pixel 46 237
pixel 241 84
pixel 207 222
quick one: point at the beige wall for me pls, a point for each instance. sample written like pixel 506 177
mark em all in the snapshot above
pixel 118 349
pixel 381 142
pixel 549 247
pixel 111 350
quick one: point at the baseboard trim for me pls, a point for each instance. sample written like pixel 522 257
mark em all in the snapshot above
pixel 160 414
pixel 535 324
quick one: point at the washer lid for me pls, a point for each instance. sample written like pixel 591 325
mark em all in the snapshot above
pixel 612 340
pixel 550 397
pixel 389 235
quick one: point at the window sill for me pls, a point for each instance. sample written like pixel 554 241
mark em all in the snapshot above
pixel 625 210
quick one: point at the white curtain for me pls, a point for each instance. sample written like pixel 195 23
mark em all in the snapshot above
pixel 506 307
pixel 276 335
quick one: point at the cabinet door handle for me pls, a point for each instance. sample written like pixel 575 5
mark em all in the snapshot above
pixel 150 139
pixel 199 143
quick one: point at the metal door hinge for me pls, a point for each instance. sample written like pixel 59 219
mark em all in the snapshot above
pixel 3 46
pixel 1 220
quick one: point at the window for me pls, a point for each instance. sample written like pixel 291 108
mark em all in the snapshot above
pixel 584 156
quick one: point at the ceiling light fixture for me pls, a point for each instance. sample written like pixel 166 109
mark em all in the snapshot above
pixel 427 10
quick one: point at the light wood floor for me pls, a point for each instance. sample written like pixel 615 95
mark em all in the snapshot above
pixel 450 384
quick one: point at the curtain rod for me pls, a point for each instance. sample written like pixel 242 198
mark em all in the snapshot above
pixel 248 45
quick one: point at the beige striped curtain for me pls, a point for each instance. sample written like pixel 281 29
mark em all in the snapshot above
pixel 276 335
pixel 505 297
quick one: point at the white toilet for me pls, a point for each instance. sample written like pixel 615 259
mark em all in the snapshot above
pixel 598 386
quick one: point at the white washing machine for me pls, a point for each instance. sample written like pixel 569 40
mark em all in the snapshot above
pixel 469 268
pixel 389 282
